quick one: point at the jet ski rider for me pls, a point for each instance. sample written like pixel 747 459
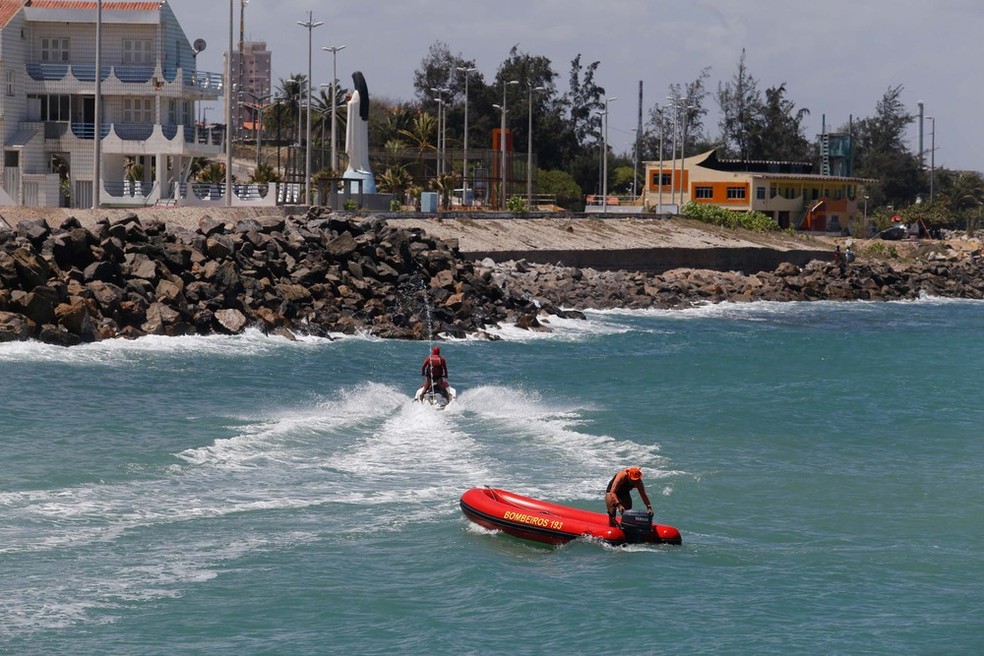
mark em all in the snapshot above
pixel 617 494
pixel 435 373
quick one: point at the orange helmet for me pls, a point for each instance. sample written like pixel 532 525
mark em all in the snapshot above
pixel 634 473
pixel 436 350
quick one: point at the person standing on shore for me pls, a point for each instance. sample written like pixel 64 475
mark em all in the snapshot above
pixel 618 495
pixel 839 260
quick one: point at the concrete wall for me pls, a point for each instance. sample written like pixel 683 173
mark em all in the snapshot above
pixel 658 260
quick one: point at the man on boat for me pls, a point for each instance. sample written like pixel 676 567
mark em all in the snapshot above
pixel 435 373
pixel 617 494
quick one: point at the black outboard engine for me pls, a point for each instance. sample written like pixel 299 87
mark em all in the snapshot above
pixel 637 526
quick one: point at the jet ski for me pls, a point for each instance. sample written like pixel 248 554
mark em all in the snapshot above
pixel 434 398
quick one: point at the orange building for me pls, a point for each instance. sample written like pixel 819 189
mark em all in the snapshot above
pixel 789 192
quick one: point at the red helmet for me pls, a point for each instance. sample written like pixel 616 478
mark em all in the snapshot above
pixel 436 350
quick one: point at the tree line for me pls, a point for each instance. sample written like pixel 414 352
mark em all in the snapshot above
pixel 754 123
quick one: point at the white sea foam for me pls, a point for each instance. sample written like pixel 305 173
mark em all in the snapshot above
pixel 365 450
pixel 559 328
pixel 112 352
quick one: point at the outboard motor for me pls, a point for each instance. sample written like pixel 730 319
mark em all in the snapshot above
pixel 637 526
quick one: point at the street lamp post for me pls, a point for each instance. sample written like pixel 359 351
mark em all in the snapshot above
pixel 257 106
pixel 97 112
pixel 240 65
pixel 440 135
pixel 310 24
pixel 464 157
pixel 529 148
pixel 502 144
pixel 661 130
pixel 442 121
pixel 673 149
pixel 227 90
pixel 684 123
pixel 932 163
pixel 604 151
pixel 334 94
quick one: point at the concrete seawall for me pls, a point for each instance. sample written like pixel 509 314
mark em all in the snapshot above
pixel 659 260
pixel 645 244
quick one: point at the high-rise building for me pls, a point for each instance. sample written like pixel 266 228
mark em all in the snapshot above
pixel 251 71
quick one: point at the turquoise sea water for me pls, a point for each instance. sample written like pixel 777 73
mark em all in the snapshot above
pixel 249 495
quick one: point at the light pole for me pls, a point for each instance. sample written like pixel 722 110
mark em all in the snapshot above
pixel 227 89
pixel 932 162
pixel 334 93
pixel 464 157
pixel 604 170
pixel 310 24
pixel 440 135
pixel 240 65
pixel 97 112
pixel 662 123
pixel 502 144
pixel 257 106
pixel 441 126
pixel 673 149
pixel 684 122
pixel 529 148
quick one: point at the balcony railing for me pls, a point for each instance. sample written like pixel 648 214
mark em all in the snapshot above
pixel 128 188
pixel 88 130
pixel 87 72
pixel 134 131
pixel 204 80
pixel 40 72
pixel 128 74
pixel 189 134
pixel 135 74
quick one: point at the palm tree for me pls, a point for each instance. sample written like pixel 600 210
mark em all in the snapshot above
pixel 445 185
pixel 284 115
pixel 212 173
pixel 321 118
pixel 419 135
pixel 395 180
pixel 290 98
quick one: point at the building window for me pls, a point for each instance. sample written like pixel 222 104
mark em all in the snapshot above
pixel 760 193
pixel 138 110
pixel 11 82
pixel 663 180
pixel 703 192
pixel 54 50
pixel 736 193
pixel 50 108
pixel 138 51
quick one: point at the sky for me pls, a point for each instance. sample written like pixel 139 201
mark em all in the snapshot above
pixel 837 57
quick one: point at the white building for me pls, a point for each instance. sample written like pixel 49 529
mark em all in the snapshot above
pixel 149 90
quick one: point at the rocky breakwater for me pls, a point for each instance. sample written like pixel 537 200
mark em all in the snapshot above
pixel 953 275
pixel 314 274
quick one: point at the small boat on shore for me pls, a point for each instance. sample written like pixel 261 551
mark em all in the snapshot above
pixel 550 523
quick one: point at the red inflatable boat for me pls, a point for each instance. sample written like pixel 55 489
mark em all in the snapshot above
pixel 532 519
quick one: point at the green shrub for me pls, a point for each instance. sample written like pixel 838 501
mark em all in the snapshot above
pixel 395 205
pixel 517 205
pixel 720 216
pixel 350 205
